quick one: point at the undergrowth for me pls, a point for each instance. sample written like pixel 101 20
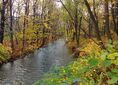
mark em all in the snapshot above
pixel 4 53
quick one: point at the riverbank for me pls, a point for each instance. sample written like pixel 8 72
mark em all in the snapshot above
pixel 19 53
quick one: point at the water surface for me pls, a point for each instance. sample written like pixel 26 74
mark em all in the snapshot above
pixel 28 70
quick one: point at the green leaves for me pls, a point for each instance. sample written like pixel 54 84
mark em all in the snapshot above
pixel 92 82
pixel 110 47
pixel 113 80
pixel 93 62
pixel 104 54
pixel 107 63
pixel 115 70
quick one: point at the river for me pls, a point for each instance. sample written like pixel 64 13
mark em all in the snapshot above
pixel 31 68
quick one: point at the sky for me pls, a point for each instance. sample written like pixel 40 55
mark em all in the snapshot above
pixel 58 4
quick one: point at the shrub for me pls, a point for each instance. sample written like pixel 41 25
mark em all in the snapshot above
pixel 4 54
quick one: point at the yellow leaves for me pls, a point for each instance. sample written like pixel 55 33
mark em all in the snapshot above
pixel 30 48
pixel 83 62
pixel 36 27
pixel 9 50
pixel 92 48
pixel 115 61
pixel 46 26
pixel 71 44
pixel 3 48
pixel 73 30
pixel 113 55
pixel 4 54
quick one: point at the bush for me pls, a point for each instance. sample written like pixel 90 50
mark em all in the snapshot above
pixel 99 67
pixel 4 54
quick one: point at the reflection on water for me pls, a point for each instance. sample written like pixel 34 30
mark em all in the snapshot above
pixel 30 69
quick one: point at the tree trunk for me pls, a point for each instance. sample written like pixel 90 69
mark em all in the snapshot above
pixel 106 7
pixel 94 20
pixel 11 26
pixel 76 22
pixel 2 20
pixel 94 10
pixel 113 16
pixel 117 17
pixel 95 23
pixel 25 23
pixel 90 28
pixel 79 30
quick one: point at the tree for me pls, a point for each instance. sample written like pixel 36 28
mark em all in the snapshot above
pixel 114 11
pixel 74 17
pixel 26 2
pixel 4 3
pixel 95 23
pixel 11 25
pixel 93 19
pixel 106 7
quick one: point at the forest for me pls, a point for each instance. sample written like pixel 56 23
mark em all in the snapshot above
pixel 58 42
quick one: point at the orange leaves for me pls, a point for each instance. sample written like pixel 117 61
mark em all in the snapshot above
pixel 71 44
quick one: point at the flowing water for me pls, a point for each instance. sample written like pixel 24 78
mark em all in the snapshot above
pixel 28 70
